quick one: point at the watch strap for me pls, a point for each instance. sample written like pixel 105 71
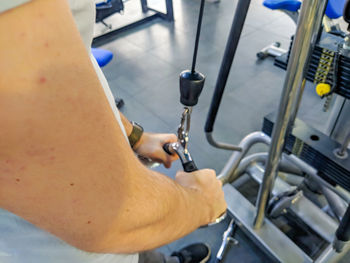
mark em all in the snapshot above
pixel 135 134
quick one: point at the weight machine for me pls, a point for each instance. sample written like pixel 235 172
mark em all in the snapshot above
pixel 310 157
pixel 305 177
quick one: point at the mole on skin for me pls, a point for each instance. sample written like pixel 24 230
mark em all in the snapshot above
pixel 42 80
pixel 89 222
pixel 17 180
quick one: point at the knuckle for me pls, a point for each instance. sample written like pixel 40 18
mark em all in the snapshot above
pixel 220 183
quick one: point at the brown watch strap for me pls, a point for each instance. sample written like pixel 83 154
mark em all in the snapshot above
pixel 135 134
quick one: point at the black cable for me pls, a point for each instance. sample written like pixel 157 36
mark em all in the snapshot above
pixel 199 25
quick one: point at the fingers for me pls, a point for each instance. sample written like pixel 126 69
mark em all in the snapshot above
pixel 168 161
pixel 170 138
pixel 166 158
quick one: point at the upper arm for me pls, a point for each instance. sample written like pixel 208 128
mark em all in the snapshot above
pixel 58 135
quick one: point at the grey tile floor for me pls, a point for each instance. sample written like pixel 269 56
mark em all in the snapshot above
pixel 145 73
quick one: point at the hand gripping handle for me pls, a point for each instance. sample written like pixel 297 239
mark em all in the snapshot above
pixel 189 166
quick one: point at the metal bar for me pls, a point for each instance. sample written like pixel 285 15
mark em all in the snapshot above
pixel 276 51
pixel 154 14
pixel 110 36
pixel 295 107
pixel 144 6
pixel 343 231
pixel 160 14
pixel 315 218
pixel 333 115
pixel 240 181
pixel 312 172
pixel 169 15
pixel 344 145
pixel 221 145
pixel 269 238
pixel 256 172
pixel 227 237
pixel 336 203
pixel 309 23
pixel 230 51
pixel 284 165
pixel 303 208
pixel 288 163
pixel 256 137
pixel 169 10
pixel 329 255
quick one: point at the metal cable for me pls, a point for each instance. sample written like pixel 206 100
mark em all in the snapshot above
pixel 199 25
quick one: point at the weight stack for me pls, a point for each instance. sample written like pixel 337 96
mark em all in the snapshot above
pixel 316 149
pixel 326 50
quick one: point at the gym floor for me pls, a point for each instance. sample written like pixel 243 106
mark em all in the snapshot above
pixel 145 70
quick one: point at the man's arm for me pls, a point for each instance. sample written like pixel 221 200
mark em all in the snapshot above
pixel 126 123
pixel 64 163
pixel 150 145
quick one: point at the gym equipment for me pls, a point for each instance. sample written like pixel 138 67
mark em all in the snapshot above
pixel 191 85
pixel 102 56
pixel 330 64
pixel 316 149
pixel 110 7
pixel 291 7
pixel 304 185
pixel 180 147
pixel 227 238
pixel 334 8
pixel 329 70
pixel 288 5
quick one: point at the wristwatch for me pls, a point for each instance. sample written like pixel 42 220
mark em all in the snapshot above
pixel 135 134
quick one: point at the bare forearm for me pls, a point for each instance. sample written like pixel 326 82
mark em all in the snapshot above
pixel 67 167
pixel 126 123
pixel 160 211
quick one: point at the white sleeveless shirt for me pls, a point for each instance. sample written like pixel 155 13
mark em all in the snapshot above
pixel 22 242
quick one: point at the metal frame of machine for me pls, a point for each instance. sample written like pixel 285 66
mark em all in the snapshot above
pixel 254 220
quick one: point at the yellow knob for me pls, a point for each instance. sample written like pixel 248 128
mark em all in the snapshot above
pixel 323 89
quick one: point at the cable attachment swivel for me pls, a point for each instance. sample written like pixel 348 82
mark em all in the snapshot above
pixel 184 127
pixel 181 146
pixel 191 85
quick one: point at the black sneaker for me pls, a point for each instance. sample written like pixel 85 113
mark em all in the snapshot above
pixel 195 253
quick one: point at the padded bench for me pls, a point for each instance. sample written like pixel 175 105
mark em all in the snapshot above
pixel 102 56
pixel 334 8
